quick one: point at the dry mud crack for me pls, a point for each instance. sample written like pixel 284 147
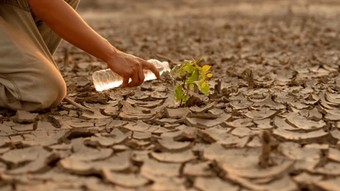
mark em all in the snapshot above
pixel 272 121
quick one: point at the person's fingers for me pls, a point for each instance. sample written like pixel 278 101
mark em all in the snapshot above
pixel 141 74
pixel 135 81
pixel 125 82
pixel 151 67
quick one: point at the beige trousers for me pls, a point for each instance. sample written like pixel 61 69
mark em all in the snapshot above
pixel 29 78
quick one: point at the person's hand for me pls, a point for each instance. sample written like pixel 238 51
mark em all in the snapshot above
pixel 129 66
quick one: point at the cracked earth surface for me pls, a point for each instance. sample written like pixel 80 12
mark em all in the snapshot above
pixel 272 120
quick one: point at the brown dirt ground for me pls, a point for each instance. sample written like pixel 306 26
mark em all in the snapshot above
pixel 272 120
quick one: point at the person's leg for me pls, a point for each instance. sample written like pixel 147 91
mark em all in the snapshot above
pixel 29 79
pixel 52 40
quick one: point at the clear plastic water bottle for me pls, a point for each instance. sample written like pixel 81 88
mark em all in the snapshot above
pixel 107 79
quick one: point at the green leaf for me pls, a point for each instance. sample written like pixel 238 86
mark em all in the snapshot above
pixel 185 99
pixel 179 93
pixel 194 77
pixel 206 68
pixel 210 75
pixel 191 87
pixel 189 68
pixel 204 88
pixel 180 71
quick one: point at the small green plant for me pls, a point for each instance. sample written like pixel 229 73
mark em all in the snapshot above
pixel 192 79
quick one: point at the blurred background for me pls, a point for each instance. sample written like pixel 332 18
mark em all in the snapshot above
pixel 110 5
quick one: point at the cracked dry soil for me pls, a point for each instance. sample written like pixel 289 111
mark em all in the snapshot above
pixel 272 121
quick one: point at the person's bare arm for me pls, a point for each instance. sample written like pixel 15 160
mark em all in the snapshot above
pixel 67 23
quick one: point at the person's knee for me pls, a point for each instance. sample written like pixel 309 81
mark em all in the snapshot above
pixel 53 90
pixel 33 92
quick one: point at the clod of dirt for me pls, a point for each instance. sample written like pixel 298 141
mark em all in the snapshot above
pixel 169 183
pixel 171 145
pixel 206 123
pixel 23 127
pixel 177 113
pixel 262 113
pixel 18 156
pixel 25 117
pixel 307 179
pixel 174 157
pixel 304 124
pixel 118 162
pixel 130 112
pixel 240 123
pixel 153 169
pixel 198 169
pixel 302 137
pixel 334 154
pixel 38 164
pixel 100 141
pixel 27 160
pixel 214 184
pixel 329 184
pixel 125 180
